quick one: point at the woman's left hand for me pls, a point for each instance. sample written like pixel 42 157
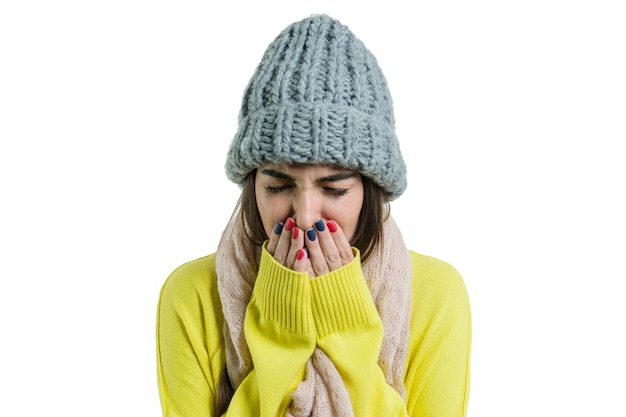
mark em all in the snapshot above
pixel 328 247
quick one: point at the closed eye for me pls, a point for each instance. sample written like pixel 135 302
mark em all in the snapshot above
pixel 336 191
pixel 279 189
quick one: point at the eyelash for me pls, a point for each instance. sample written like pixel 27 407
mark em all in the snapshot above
pixel 337 192
pixel 275 189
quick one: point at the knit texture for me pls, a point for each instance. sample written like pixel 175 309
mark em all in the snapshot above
pixel 388 277
pixel 318 96
pixel 191 350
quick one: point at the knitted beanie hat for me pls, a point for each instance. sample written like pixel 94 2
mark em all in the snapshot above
pixel 318 96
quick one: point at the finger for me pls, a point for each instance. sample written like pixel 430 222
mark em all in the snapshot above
pixel 328 245
pixel 297 243
pixel 317 260
pixel 341 242
pixel 284 242
pixel 309 267
pixel 301 261
pixel 273 242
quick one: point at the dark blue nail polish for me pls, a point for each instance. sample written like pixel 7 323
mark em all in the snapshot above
pixel 278 228
pixel 319 225
pixel 311 234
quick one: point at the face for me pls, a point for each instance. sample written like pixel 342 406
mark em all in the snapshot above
pixel 308 193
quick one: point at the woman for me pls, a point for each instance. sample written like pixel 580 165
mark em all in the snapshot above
pixel 312 305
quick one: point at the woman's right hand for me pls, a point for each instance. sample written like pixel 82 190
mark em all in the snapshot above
pixel 286 245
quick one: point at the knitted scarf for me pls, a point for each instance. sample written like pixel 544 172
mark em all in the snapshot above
pixel 322 393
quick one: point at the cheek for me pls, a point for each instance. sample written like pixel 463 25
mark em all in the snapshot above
pixel 271 211
pixel 348 215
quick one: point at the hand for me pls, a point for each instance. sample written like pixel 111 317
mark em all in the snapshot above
pixel 328 248
pixel 286 244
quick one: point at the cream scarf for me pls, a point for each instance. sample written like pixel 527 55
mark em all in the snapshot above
pixel 322 393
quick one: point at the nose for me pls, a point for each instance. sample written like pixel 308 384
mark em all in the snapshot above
pixel 306 209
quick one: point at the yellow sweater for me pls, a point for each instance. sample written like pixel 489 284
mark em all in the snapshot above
pixel 288 315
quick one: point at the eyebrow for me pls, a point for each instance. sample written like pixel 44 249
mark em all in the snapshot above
pixel 335 177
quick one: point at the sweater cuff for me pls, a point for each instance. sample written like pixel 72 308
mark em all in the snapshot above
pixel 283 296
pixel 341 299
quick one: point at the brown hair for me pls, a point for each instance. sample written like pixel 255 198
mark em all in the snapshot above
pixel 368 237
pixel 225 393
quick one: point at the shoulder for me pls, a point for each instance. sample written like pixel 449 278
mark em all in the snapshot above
pixel 435 272
pixel 437 284
pixel 197 273
pixel 191 285
pixel 190 343
pixel 192 271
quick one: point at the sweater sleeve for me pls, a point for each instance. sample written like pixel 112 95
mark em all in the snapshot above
pixel 437 368
pixel 188 345
pixel 349 330
pixel 279 331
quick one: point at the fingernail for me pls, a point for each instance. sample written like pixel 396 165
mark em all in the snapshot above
pixel 300 254
pixel 289 224
pixel 319 225
pixel 294 233
pixel 311 234
pixel 332 226
pixel 278 228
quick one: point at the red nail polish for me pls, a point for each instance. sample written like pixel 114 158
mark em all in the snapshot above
pixel 294 232
pixel 289 224
pixel 332 226
pixel 300 254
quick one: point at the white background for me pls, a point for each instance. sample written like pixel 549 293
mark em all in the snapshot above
pixel 115 117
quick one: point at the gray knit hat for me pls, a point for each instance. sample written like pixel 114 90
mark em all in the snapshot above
pixel 318 96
